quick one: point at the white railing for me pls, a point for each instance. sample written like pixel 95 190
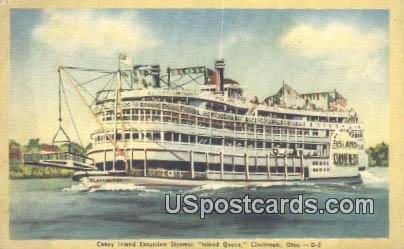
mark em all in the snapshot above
pixel 237 102
pixel 190 110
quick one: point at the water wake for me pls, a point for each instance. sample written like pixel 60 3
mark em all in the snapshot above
pixel 88 186
pixel 371 178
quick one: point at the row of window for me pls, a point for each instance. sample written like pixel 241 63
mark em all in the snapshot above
pixel 321 169
pixel 320 163
pixel 188 138
pixel 232 110
pixel 152 115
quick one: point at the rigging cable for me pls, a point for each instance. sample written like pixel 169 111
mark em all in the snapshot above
pixel 70 115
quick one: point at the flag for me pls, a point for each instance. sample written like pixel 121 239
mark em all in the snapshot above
pixel 341 101
pixel 333 106
pixel 339 104
pixel 293 94
pixel 125 60
pixel 188 70
pixel 255 101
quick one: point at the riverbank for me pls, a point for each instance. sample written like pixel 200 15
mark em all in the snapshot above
pixel 19 170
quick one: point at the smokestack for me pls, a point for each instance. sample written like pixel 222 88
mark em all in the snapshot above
pixel 219 66
pixel 155 72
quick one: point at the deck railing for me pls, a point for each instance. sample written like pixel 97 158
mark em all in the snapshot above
pixel 229 117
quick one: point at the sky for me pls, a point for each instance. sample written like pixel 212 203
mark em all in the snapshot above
pixel 311 50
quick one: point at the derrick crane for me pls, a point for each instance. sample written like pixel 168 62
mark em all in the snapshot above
pixel 117 110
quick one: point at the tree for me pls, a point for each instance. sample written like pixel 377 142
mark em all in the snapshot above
pixel 33 144
pixel 12 143
pixel 378 155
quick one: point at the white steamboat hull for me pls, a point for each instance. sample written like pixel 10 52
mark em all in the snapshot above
pixel 167 182
pixel 222 164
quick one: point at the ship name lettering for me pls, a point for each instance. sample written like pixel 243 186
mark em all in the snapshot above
pixel 126 244
pixel 341 144
pixel 209 244
pixel 231 245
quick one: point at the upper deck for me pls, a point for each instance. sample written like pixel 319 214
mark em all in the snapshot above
pixel 222 103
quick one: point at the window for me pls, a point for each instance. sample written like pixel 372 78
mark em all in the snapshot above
pixel 239 126
pixel 217 141
pixel 167 136
pixel 228 141
pixel 240 143
pixel 310 147
pixel 192 138
pixel 184 138
pixel 126 114
pixel 155 115
pixel 156 136
pixel 203 140
pixel 135 136
pixel 148 136
pixel 229 125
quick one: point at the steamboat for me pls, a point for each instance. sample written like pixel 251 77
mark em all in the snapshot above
pixel 153 129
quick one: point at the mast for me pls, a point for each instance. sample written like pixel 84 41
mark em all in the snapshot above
pixel 117 87
pixel 118 111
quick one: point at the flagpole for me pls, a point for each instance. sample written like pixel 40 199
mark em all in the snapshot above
pixel 119 62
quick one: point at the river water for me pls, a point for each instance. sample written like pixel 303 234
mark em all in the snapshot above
pixel 63 209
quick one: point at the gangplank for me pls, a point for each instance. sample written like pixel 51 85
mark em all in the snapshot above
pixel 64 160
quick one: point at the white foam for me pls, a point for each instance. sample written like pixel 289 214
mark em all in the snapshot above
pixel 76 188
pixel 370 178
pixel 216 185
pixel 88 186
pixel 116 187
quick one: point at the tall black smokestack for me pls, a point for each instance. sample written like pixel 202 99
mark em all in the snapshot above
pixel 155 71
pixel 219 66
